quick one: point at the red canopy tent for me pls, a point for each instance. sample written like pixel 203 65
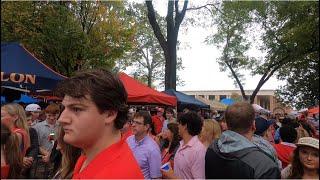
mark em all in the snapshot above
pixel 313 110
pixel 139 93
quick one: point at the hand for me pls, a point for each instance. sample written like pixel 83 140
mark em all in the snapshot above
pixel 160 135
pixel 168 174
pixel 27 162
pixel 46 158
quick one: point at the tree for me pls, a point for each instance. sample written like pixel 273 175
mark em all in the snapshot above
pixel 283 39
pixel 69 36
pixel 232 21
pixel 146 58
pixel 302 88
pixel 168 43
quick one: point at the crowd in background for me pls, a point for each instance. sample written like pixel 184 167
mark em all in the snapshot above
pixel 37 142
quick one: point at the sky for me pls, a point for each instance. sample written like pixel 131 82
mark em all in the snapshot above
pixel 201 71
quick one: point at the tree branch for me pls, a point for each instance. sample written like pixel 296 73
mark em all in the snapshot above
pixel 155 26
pixel 206 6
pixel 180 15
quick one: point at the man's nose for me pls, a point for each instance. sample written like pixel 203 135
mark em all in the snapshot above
pixel 64 117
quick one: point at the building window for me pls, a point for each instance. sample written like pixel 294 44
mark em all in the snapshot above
pixel 222 97
pixel 201 96
pixel 212 97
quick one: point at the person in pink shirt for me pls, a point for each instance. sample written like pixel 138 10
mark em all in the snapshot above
pixel 189 160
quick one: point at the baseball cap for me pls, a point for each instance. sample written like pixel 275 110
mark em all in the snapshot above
pixel 262 125
pixel 33 108
pixel 219 117
pixel 131 110
pixel 308 141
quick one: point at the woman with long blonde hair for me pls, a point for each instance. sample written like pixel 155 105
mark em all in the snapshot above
pixel 210 131
pixel 70 155
pixel 14 117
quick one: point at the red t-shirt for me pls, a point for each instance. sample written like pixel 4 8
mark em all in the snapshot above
pixel 115 162
pixel 284 153
pixel 5 171
pixel 158 123
pixel 126 134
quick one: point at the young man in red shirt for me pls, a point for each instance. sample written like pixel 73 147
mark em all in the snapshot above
pixel 158 120
pixel 94 112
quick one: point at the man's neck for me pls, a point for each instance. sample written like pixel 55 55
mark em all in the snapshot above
pixel 102 143
pixel 248 136
pixel 51 122
pixel 186 138
pixel 140 137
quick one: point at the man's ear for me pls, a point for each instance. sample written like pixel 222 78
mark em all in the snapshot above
pixel 254 126
pixel 148 127
pixel 110 116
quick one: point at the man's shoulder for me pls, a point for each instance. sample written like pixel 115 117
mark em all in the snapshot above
pixel 110 169
pixel 260 161
pixel 151 144
pixel 258 154
pixel 40 124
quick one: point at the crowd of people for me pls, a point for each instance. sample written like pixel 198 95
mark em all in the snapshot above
pixel 93 133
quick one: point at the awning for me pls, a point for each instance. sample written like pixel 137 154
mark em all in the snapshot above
pixel 139 93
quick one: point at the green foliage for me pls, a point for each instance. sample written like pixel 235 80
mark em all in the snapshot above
pixel 232 20
pixel 302 88
pixel 290 35
pixel 299 37
pixel 69 36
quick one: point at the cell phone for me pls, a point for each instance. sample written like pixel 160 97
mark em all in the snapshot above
pixel 166 166
pixel 51 136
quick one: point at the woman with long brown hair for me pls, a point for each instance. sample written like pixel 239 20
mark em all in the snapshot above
pixel 305 161
pixel 11 158
pixel 70 155
pixel 170 143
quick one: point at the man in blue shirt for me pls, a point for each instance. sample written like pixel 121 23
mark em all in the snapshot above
pixel 144 148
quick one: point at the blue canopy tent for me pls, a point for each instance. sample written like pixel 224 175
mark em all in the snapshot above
pixel 20 70
pixel 3 99
pixel 186 101
pixel 26 99
pixel 227 101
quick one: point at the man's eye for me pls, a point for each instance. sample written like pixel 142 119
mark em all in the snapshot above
pixel 75 109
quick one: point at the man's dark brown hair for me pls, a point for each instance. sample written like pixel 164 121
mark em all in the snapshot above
pixel 239 117
pixel 105 90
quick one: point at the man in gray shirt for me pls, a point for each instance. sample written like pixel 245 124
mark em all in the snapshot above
pixel 46 130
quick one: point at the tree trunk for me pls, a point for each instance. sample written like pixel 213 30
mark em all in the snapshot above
pixel 149 77
pixel 169 46
pixel 243 94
